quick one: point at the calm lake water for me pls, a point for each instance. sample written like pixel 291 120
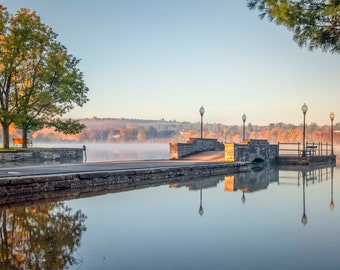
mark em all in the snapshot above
pixel 268 219
pixel 97 152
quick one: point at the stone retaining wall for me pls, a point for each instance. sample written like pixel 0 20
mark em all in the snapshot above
pixel 193 146
pixel 251 150
pixel 41 155
pixel 12 186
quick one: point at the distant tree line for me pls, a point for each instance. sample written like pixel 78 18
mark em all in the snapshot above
pixel 127 130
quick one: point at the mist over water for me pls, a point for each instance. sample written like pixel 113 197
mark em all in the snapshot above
pixel 98 152
pixel 101 152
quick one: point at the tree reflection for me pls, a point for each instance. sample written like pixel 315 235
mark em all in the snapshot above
pixel 40 236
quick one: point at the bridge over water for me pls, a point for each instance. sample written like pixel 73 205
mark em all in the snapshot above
pixel 252 151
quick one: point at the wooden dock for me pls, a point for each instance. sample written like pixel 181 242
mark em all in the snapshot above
pixel 312 154
pixel 306 160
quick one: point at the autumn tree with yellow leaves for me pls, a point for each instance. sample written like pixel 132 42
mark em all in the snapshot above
pixel 39 79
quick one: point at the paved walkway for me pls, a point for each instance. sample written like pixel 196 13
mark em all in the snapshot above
pixel 206 157
pixel 214 156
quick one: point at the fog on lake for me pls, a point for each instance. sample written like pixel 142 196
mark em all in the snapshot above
pixel 97 152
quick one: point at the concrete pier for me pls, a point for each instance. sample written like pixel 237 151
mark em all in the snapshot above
pixel 15 181
pixel 52 178
pixel 306 160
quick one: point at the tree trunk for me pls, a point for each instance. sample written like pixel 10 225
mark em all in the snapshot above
pixel 24 138
pixel 5 130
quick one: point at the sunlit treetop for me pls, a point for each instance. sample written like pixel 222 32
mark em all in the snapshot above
pixel 39 80
pixel 315 24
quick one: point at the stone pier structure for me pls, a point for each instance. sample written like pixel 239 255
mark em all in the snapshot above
pixel 194 146
pixel 41 156
pixel 249 151
pixel 157 174
pixel 252 151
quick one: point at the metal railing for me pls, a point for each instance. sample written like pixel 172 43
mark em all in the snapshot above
pixel 289 149
pixel 312 149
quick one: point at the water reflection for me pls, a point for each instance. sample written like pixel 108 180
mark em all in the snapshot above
pixel 251 181
pixel 304 182
pixel 331 205
pixel 200 210
pixel 199 184
pixel 47 235
pixel 257 180
pixel 254 180
pixel 44 236
pixel 314 176
pixel 310 175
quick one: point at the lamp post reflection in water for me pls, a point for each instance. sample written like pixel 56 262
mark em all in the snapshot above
pixel 331 116
pixel 304 111
pixel 200 210
pixel 243 197
pixel 331 205
pixel 304 217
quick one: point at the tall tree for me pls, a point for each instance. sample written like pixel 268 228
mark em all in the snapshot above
pixel 39 80
pixel 314 23
pixel 7 68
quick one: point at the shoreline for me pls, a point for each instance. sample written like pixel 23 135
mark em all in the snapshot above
pixel 45 179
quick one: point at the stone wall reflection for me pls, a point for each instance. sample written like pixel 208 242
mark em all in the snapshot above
pixel 260 178
pixel 251 181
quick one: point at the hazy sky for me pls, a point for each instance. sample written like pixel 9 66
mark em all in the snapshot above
pixel 154 59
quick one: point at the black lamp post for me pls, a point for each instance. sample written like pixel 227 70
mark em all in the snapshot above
pixel 244 118
pixel 331 116
pixel 201 113
pixel 304 111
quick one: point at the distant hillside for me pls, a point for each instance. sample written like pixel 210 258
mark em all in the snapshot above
pixel 139 130
pixel 119 130
pixel 121 122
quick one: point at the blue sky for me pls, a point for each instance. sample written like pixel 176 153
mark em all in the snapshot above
pixel 154 59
